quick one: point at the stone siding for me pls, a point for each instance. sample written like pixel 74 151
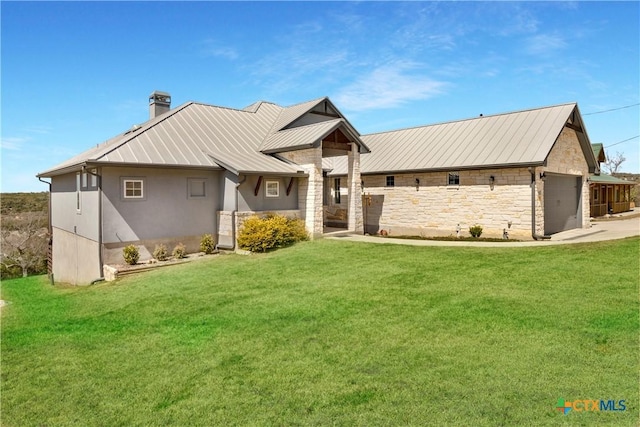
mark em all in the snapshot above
pixel 310 189
pixel 435 208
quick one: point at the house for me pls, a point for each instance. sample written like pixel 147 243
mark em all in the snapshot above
pixel 607 194
pixel 198 169
pixel 521 175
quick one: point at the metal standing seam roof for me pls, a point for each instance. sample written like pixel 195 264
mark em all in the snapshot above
pixel 290 114
pixel 299 136
pixel 199 135
pixel 519 138
pixel 194 135
pixel 608 179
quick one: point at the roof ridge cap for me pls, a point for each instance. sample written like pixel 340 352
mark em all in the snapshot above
pixel 507 113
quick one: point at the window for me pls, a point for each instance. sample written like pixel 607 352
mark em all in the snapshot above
pixel 454 178
pixel 336 190
pixel 272 189
pixel 84 179
pixel 391 181
pixel 133 189
pixel 94 178
pixel 197 188
pixel 78 198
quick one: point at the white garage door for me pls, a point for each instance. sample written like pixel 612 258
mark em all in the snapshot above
pixel 561 203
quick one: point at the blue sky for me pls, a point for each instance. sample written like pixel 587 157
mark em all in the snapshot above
pixel 77 73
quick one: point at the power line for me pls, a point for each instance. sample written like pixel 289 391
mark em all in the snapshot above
pixel 620 142
pixel 612 109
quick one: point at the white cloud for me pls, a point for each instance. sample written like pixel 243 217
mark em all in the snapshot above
pixel 12 143
pixel 214 48
pixel 543 44
pixel 388 86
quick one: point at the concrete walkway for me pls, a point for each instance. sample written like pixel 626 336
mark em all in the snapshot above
pixel 626 225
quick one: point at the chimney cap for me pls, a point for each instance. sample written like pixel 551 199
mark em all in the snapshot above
pixel 158 95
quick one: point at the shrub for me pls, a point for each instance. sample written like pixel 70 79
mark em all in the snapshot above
pixel 207 244
pixel 180 251
pixel 131 254
pixel 475 230
pixel 273 231
pixel 160 252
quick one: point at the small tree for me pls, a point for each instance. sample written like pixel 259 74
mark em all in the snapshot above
pixel 612 165
pixel 24 243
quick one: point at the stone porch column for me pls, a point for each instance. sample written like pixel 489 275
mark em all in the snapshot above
pixel 355 221
pixel 310 189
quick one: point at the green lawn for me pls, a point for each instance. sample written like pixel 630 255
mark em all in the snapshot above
pixel 332 333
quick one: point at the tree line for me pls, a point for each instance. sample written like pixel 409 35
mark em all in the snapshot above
pixel 24 234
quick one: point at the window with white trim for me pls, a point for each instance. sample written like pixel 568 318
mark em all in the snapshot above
pixel 84 179
pixel 94 177
pixel 454 178
pixel 197 188
pixel 133 188
pixel 272 188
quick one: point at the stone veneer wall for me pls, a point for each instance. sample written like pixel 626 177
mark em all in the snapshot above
pixel 355 220
pixel 567 157
pixel 435 208
pixel 310 189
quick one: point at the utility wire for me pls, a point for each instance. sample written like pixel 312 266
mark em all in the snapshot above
pixel 612 109
pixel 620 142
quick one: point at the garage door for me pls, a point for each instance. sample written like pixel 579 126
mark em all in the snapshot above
pixel 561 203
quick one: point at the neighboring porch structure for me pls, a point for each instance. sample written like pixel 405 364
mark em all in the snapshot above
pixel 609 195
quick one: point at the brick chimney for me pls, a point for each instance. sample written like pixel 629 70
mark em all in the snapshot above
pixel 159 103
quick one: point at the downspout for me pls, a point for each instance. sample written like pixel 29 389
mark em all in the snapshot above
pixel 535 235
pixel 100 248
pixel 49 226
pixel 233 218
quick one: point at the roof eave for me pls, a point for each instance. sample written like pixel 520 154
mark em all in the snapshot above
pixel 454 168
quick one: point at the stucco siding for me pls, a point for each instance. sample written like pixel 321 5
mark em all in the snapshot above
pixel 167 213
pixel 249 201
pixel 75 258
pixel 64 213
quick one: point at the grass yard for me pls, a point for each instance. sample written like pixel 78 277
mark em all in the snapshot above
pixel 332 333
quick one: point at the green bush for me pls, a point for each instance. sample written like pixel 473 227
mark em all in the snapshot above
pixel 207 244
pixel 131 254
pixel 160 252
pixel 475 230
pixel 273 231
pixel 180 251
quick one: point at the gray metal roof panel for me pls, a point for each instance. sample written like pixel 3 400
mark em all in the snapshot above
pixel 246 163
pixel 291 113
pixel 523 137
pixel 299 136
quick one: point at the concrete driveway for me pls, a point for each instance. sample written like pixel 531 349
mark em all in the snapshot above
pixel 618 228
